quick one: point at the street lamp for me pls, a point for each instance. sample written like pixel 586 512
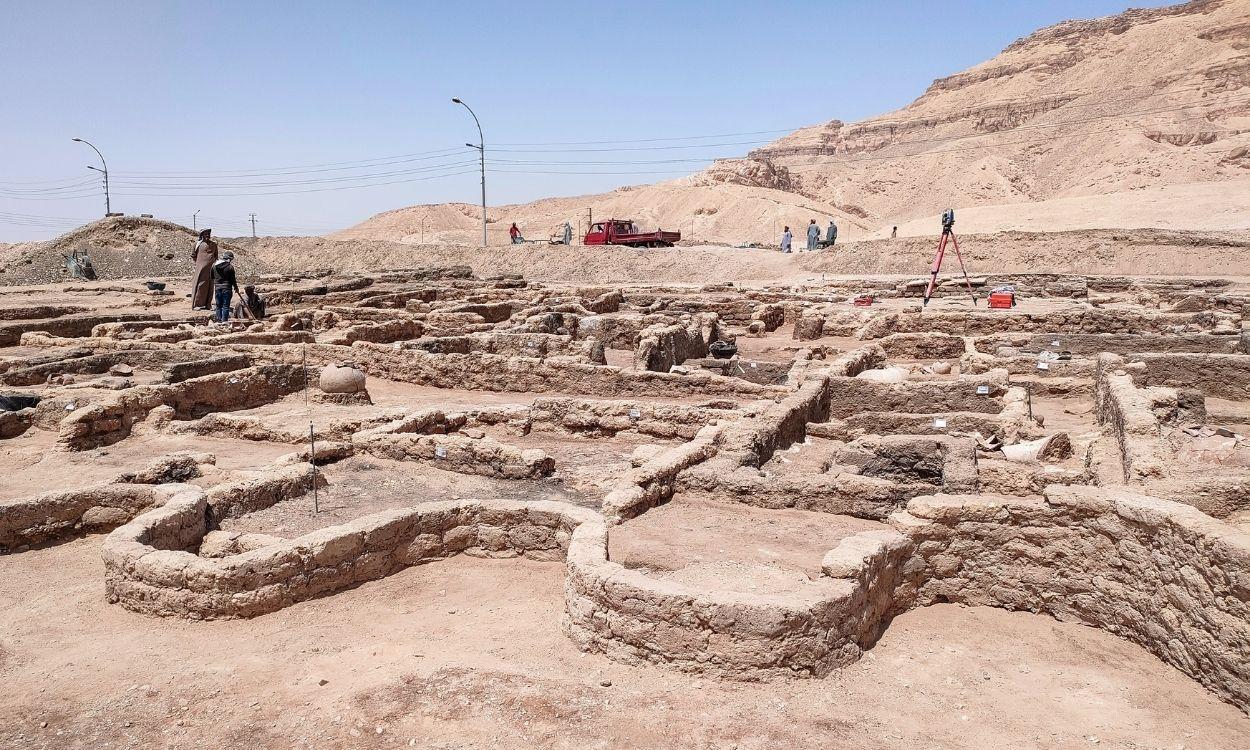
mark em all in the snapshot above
pixel 107 208
pixel 193 226
pixel 481 148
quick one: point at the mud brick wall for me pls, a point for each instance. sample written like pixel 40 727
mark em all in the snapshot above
pixel 1160 574
pixel 1134 416
pixel 1093 344
pixel 850 396
pixel 922 346
pixel 111 419
pixel 73 326
pixel 634 618
pixel 383 332
pixel 989 322
pixel 536 345
pixel 491 372
pixel 280 482
pixel 839 493
pixel 1219 375
pixel 198 368
pixel 147 569
pixel 606 418
pixel 56 515
pixel 620 330
pixel 654 482
pixel 661 347
pixel 463 455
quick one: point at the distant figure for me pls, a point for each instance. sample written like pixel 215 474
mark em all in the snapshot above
pixel 786 239
pixel 831 234
pixel 568 234
pixel 251 306
pixel 813 235
pixel 223 284
pixel 204 255
pixel 894 233
pixel 515 234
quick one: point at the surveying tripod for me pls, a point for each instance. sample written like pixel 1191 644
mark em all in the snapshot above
pixel 948 232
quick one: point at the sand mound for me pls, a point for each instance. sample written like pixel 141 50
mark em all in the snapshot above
pixel 121 247
pixel 1089 252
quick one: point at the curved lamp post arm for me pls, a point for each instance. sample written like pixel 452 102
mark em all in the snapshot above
pixel 481 153
pixel 107 207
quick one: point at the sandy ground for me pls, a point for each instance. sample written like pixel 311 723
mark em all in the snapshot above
pixel 465 654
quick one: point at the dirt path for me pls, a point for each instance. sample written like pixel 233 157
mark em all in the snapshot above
pixel 467 654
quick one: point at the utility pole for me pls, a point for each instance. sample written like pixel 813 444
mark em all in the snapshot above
pixel 107 207
pixel 193 224
pixel 253 226
pixel 481 149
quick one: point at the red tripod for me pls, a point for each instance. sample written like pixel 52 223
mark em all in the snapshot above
pixel 948 231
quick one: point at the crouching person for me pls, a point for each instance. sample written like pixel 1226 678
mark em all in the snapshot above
pixel 252 305
pixel 224 286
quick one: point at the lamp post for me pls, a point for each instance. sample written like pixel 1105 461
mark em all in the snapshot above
pixel 107 208
pixel 193 224
pixel 481 148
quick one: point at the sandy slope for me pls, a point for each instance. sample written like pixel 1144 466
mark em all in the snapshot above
pixel 1107 107
pixel 1133 252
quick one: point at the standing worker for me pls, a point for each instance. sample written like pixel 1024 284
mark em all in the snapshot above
pixel 568 233
pixel 223 283
pixel 786 239
pixel 831 234
pixel 894 233
pixel 813 236
pixel 515 234
pixel 204 255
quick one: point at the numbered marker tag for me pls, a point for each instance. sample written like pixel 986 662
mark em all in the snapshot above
pixel 398 345
pixel 634 414
pixel 440 452
pixel 1043 365
pixel 983 390
pixel 754 365
pixel 1055 342
pixel 939 424
pixel 71 406
pixel 234 380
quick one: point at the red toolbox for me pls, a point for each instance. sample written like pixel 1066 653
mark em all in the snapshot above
pixel 863 300
pixel 1002 300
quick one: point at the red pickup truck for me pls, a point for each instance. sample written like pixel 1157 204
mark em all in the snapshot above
pixel 624 232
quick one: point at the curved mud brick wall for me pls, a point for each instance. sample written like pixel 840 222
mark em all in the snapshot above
pixel 147 569
pixel 1160 574
pixel 55 516
pixel 14 423
pixel 632 617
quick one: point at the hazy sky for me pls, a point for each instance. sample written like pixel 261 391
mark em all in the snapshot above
pixel 207 105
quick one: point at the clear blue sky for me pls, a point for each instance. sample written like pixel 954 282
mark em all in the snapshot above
pixel 265 87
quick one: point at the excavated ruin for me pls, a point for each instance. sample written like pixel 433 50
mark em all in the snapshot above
pixel 765 515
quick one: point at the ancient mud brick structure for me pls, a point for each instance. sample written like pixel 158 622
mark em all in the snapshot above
pixel 1082 456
